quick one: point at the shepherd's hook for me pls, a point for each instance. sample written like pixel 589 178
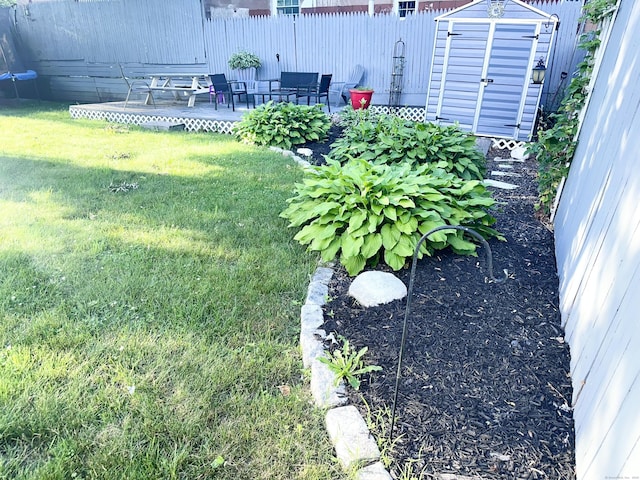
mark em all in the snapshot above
pixel 407 311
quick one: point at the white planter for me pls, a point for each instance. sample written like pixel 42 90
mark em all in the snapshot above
pixel 248 75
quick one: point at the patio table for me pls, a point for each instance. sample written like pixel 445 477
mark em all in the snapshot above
pixel 180 84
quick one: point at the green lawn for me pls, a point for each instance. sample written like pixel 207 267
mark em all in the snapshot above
pixel 144 332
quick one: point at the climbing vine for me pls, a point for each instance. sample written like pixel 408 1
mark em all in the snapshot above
pixel 556 145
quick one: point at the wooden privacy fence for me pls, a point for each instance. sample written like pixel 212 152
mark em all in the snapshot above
pixel 76 46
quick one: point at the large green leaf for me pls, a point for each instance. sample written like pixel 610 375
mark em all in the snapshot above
pixel 350 245
pixel 357 219
pixel 371 245
pixel 461 245
pixel 396 262
pixel 330 252
pixel 390 235
pixel 354 265
pixel 309 232
pixel 407 225
pixel 405 246
pixel 390 213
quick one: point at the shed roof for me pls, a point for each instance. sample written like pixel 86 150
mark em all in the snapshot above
pixel 513 9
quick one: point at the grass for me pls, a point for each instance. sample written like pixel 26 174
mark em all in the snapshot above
pixel 149 331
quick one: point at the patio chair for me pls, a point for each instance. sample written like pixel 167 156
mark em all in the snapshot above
pixel 136 86
pixel 341 89
pixel 319 91
pixel 220 86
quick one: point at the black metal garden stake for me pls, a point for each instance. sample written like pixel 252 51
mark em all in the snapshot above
pixel 407 311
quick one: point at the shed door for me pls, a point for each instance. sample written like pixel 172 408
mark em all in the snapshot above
pixel 485 76
pixel 462 70
pixel 505 80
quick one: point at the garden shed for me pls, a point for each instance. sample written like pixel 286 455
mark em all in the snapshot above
pixel 481 73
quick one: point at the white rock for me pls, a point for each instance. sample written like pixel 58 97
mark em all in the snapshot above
pixel 483 144
pixel 519 153
pixel 322 275
pixel 377 288
pixel 307 152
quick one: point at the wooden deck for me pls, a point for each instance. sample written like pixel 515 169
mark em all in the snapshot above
pixel 201 117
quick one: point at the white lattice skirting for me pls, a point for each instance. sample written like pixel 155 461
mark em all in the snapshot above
pixel 190 124
pixel 416 114
pixel 506 143
pixel 226 126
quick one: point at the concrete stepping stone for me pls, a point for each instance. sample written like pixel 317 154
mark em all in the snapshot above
pixel 507 160
pixel 497 173
pixel 497 184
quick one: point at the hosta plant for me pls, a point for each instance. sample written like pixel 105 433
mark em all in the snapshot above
pixel 389 139
pixel 283 125
pixel 365 212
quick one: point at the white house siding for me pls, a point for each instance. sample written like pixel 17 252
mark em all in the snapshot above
pixel 598 253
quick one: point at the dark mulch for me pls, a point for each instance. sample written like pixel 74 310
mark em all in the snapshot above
pixel 485 379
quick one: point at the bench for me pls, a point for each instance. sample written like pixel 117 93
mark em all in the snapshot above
pixel 293 83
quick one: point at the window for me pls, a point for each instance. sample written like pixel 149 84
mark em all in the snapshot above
pixel 287 7
pixel 406 8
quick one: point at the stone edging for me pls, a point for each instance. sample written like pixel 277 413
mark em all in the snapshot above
pixel 355 447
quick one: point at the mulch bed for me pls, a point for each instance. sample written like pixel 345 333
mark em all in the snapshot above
pixel 485 379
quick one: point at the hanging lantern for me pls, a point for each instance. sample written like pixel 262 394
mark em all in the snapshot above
pixel 495 8
pixel 537 75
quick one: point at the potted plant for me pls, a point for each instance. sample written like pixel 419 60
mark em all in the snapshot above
pixel 246 64
pixel 361 97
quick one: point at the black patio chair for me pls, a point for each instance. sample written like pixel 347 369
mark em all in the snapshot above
pixel 220 86
pixel 319 91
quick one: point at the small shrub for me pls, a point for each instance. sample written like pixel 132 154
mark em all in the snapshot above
pixel 283 125
pixel 388 139
pixel 367 212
